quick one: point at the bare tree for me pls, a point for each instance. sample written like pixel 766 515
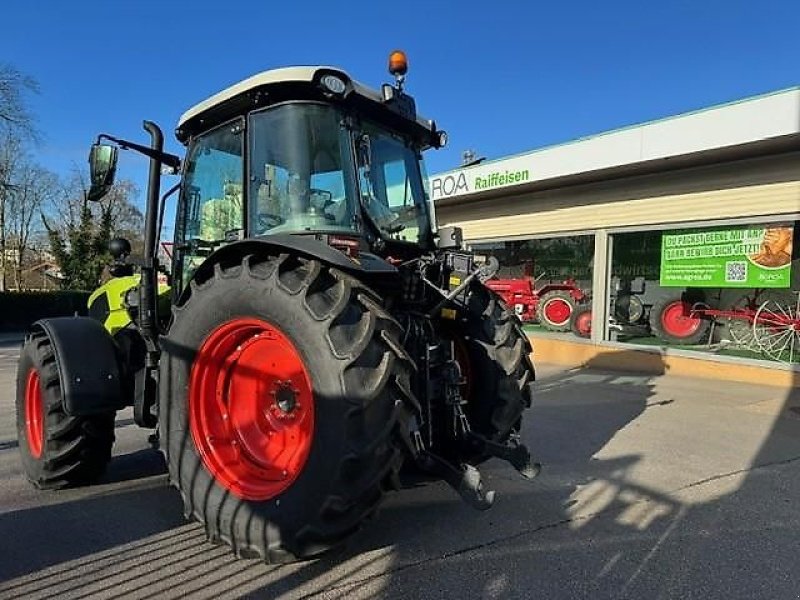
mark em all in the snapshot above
pixel 14 113
pixel 10 157
pixel 35 188
pixel 126 218
pixel 124 215
pixel 16 125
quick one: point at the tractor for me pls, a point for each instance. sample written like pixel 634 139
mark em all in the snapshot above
pixel 550 305
pixel 319 340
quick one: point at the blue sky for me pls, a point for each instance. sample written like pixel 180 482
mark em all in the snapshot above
pixel 500 77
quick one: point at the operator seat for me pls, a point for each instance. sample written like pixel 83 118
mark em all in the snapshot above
pixel 219 217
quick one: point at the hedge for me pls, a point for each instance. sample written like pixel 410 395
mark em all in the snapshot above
pixel 19 309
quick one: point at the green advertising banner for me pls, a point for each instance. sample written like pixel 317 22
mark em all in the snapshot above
pixel 740 257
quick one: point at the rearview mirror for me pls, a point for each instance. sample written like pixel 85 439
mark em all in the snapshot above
pixel 102 168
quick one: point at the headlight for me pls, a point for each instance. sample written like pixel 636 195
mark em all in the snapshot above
pixel 333 84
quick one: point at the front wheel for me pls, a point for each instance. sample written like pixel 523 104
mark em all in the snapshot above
pixel 57 450
pixel 494 355
pixel 285 388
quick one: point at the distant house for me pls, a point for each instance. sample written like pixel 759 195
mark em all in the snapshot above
pixel 42 276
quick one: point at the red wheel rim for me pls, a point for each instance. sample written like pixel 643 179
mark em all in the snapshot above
pixel 676 321
pixel 557 311
pixel 34 414
pixel 251 408
pixel 583 323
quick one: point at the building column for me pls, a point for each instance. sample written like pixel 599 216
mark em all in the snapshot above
pixel 601 275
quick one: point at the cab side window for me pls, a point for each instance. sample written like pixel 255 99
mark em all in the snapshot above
pixel 213 202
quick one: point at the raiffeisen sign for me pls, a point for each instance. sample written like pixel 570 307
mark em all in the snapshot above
pixel 732 125
pixel 479 178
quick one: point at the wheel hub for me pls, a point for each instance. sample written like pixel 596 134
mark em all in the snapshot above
pixel 557 311
pixel 677 322
pixel 251 409
pixel 285 399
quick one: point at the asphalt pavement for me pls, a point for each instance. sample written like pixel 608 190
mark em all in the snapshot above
pixel 653 487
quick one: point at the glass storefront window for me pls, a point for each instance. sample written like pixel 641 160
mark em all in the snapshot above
pixel 731 290
pixel 546 281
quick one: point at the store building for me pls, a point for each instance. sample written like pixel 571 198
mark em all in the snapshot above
pixel 667 245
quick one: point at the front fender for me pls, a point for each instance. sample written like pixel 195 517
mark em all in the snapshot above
pixel 87 361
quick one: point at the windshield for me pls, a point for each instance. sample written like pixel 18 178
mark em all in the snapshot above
pixel 300 171
pixel 391 186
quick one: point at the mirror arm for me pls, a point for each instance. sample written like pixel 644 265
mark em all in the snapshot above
pixel 170 160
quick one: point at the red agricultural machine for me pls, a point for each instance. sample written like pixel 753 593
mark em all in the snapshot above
pixel 763 321
pixel 551 305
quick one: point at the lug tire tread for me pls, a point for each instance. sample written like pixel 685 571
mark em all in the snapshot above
pixel 363 342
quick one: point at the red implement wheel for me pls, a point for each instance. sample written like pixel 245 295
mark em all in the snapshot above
pixel 671 319
pixel 555 309
pixel 284 401
pixel 581 321
pixel 776 329
pixel 251 410
pixel 34 414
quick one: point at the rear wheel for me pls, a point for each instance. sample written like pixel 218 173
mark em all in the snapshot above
pixel 671 320
pixel 286 394
pixel 555 309
pixel 57 450
pixel 494 356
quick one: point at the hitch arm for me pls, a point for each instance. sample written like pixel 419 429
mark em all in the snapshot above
pixel 516 454
pixel 464 479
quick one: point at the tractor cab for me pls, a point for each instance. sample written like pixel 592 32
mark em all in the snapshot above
pixel 305 151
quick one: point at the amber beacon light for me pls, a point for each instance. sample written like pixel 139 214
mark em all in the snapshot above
pixel 398 63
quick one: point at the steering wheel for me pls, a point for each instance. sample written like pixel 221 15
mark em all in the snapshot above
pixel 268 221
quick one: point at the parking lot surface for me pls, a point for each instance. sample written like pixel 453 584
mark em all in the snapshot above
pixel 653 487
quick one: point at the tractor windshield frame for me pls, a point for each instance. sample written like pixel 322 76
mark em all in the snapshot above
pixel 301 167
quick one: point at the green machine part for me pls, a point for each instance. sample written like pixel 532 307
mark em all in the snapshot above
pixel 107 303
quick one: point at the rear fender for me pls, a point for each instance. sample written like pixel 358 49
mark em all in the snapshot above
pixel 365 266
pixel 88 367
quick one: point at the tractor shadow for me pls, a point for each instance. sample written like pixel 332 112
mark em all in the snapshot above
pixel 424 542
pixel 135 465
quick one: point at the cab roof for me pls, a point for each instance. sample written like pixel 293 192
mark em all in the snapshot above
pixel 299 82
